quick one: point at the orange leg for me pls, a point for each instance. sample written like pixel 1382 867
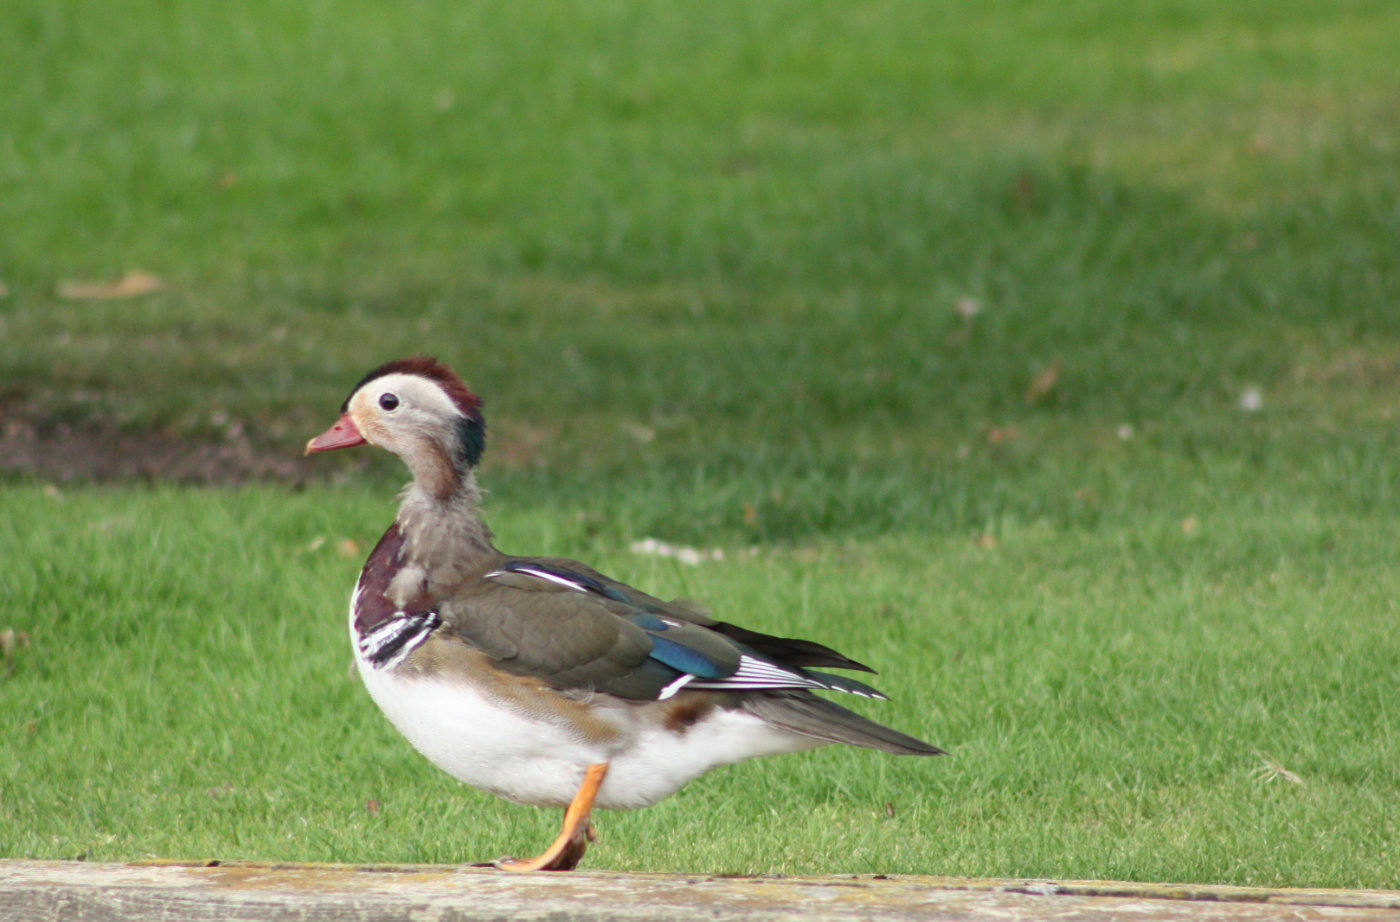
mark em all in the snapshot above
pixel 566 851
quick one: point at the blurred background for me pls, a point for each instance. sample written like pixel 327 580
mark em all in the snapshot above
pixel 800 241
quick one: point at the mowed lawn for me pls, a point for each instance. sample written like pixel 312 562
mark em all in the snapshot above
pixel 1043 355
pixel 1203 697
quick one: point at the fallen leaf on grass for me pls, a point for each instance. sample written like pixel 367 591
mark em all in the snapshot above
pixel 967 308
pixel 372 807
pixel 687 555
pixel 132 285
pixel 999 435
pixel 347 547
pixel 11 642
pixel 1270 771
pixel 1044 386
pixel 642 435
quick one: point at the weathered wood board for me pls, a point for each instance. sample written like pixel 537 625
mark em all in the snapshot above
pixel 87 892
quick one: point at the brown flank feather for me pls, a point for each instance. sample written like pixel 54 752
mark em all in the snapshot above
pixel 686 712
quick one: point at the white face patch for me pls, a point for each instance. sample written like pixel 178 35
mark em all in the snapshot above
pixel 391 407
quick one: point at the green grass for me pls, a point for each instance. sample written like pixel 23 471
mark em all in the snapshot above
pixel 704 264
pixel 619 215
pixel 1113 697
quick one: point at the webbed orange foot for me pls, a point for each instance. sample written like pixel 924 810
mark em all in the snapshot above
pixel 566 851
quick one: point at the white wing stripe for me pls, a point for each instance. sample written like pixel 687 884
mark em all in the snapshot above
pixel 675 686
pixel 751 668
pixel 389 629
pixel 756 673
pixel 541 574
pixel 387 645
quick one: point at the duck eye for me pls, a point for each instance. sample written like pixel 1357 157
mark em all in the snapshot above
pixel 388 401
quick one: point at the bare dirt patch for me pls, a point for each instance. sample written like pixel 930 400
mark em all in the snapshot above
pixel 39 444
pixel 68 452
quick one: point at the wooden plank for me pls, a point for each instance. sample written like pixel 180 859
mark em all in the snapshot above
pixel 87 892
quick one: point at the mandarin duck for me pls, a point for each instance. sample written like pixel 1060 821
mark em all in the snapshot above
pixel 539 679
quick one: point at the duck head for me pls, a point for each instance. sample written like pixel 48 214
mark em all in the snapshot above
pixel 422 412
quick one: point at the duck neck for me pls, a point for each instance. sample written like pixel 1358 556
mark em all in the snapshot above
pixel 445 538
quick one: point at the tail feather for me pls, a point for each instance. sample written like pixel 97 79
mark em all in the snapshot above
pixel 789 651
pixel 803 713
